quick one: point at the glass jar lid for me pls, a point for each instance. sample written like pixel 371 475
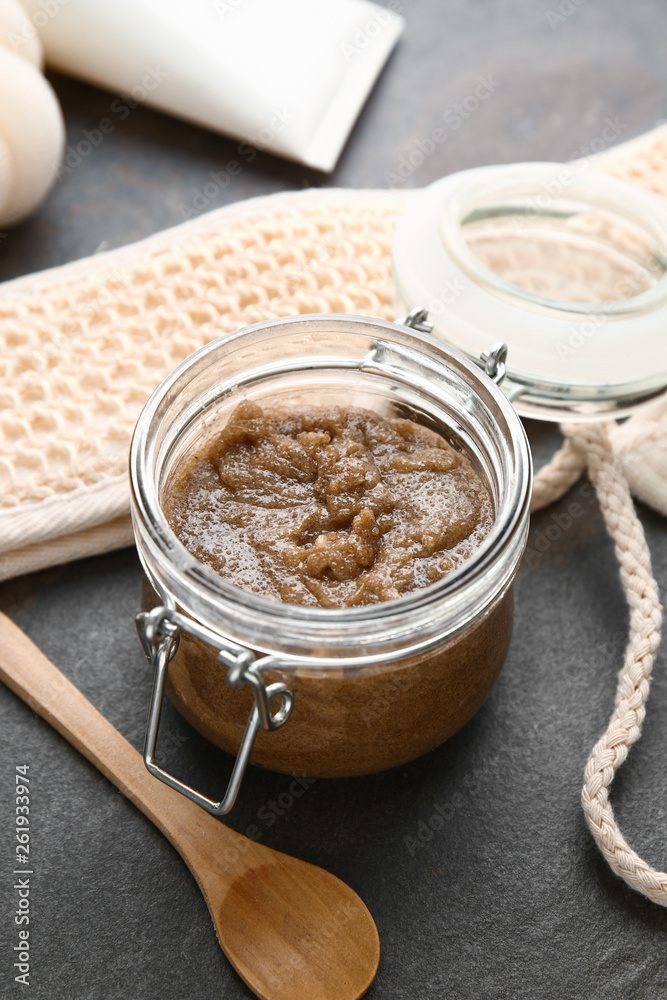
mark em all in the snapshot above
pixel 566 265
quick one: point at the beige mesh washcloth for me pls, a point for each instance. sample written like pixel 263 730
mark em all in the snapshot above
pixel 83 346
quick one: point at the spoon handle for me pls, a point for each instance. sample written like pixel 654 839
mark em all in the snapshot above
pixel 289 928
pixel 32 676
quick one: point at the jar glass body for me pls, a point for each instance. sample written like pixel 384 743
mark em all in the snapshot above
pixel 373 686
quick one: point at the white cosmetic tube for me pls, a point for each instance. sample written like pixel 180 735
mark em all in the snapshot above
pixel 288 76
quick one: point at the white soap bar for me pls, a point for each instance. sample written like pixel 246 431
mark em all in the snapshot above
pixel 289 76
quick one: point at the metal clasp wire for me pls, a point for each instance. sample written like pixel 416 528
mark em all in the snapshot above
pixel 417 319
pixel 159 631
pixel 494 362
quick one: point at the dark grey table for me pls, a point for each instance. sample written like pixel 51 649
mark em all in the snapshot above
pixel 509 898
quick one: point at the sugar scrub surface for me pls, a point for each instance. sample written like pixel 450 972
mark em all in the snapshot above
pixel 329 507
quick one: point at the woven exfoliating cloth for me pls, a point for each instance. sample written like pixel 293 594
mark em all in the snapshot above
pixel 84 345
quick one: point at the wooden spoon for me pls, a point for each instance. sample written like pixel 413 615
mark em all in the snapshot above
pixel 291 930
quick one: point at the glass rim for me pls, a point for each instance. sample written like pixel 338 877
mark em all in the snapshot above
pixel 188 571
pixel 519 181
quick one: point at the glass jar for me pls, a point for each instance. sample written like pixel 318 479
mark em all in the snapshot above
pixel 567 265
pixel 371 687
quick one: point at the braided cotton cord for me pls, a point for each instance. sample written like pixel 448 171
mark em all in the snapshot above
pixel 590 445
pixel 557 476
pixel 625 724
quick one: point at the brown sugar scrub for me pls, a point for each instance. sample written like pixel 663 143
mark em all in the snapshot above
pixel 348 722
pixel 336 508
pixel 330 507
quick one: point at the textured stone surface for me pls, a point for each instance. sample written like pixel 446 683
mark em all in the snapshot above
pixel 508 898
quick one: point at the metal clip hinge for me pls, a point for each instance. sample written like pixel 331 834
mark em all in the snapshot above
pixel 159 631
pixel 494 362
pixel 417 319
